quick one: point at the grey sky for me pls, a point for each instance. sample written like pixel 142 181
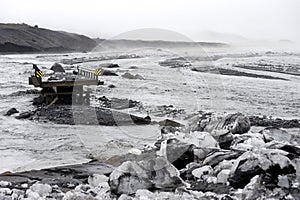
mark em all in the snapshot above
pixel 264 19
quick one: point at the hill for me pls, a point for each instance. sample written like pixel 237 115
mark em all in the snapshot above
pixel 117 44
pixel 25 38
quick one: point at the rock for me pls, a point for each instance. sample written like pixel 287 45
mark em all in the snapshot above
pixel 25 115
pixel 169 122
pixel 223 165
pixel 256 190
pixel 125 197
pixel 175 62
pixel 186 173
pixel 179 153
pixel 168 130
pixel 273 133
pixel 4 184
pixel 56 67
pixel 17 194
pixel 131 176
pixel 32 195
pixel 223 137
pixel 201 139
pixel 109 65
pixel 202 171
pixel 108 73
pixel 294 152
pixel 41 189
pixel 135 151
pixel 97 179
pixel 130 76
pixel 216 157
pixel 38 101
pixel 250 164
pixel 77 195
pixel 117 103
pixel 145 195
pixel 203 186
pixel 238 123
pixel 5 191
pixel 247 142
pixel 223 175
pixel 111 86
pixel 251 191
pixel 201 153
pixel 235 123
pixel 283 181
pixel 11 112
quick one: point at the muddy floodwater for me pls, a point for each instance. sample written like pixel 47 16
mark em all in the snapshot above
pixel 164 91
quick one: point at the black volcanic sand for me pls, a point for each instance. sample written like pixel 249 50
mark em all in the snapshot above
pixel 278 68
pixel 86 115
pixel 66 177
pixel 278 122
pixel 232 72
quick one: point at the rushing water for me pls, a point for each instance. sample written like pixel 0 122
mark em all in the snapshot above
pixel 31 145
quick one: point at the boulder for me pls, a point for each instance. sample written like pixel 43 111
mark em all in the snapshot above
pixel 294 152
pixel 111 86
pixel 283 181
pixel 179 153
pixel 256 189
pixel 200 139
pixel 201 153
pixel 25 115
pixel 108 73
pixel 130 76
pixel 273 133
pixel 214 158
pixel 97 179
pixel 250 164
pixel 223 137
pixel 235 123
pixel 56 67
pixel 169 122
pixel 223 175
pixel 156 173
pixel 109 65
pixel 186 173
pixel 223 165
pixel 202 171
pixel 247 142
pixel 11 112
pixel 41 189
pixel 168 130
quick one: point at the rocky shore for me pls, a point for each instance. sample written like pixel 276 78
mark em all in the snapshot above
pixel 213 157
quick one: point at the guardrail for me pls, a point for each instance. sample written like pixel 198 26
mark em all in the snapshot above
pixel 89 73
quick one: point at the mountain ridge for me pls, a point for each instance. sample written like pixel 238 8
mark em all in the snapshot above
pixel 23 38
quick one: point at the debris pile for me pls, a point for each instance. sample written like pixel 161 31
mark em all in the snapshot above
pixel 214 157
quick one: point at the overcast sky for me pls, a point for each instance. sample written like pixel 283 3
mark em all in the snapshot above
pixel 261 19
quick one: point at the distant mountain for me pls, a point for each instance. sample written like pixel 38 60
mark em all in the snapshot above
pixel 211 36
pixel 117 44
pixel 25 38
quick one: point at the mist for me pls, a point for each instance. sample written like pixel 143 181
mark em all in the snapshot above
pixel 271 20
